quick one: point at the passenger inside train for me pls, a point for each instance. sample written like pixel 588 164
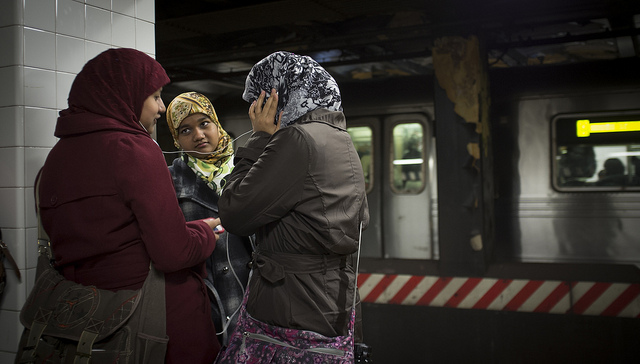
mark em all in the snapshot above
pixel 612 174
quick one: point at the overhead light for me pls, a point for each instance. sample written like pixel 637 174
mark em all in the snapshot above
pixel 404 162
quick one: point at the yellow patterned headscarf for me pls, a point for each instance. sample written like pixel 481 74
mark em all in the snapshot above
pixel 190 103
pixel 213 167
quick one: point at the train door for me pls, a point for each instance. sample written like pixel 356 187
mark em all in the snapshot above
pixel 397 157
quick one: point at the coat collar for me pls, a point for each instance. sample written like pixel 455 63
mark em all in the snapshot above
pixel 333 118
pixel 189 186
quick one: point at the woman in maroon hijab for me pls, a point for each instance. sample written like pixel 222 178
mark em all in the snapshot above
pixel 107 201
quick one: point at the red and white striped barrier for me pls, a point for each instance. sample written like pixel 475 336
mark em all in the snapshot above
pixel 520 295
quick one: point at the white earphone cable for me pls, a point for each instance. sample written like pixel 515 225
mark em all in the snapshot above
pixel 197 152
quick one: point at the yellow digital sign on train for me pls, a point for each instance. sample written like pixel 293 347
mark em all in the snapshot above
pixel 585 128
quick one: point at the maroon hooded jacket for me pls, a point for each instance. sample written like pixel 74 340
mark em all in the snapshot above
pixel 108 204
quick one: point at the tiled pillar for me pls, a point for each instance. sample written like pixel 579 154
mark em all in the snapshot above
pixel 45 43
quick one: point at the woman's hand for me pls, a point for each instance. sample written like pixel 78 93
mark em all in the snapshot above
pixel 262 117
pixel 212 222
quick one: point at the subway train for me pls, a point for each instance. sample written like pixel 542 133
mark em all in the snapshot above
pixel 562 279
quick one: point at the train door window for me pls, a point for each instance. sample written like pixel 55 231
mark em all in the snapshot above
pixel 408 166
pixel 362 137
pixel 406 201
pixel 596 152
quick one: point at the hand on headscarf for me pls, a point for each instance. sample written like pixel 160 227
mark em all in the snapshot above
pixel 263 116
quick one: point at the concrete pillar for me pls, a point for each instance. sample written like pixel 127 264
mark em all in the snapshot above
pixel 464 159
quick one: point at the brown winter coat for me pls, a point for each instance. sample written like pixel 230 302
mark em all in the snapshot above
pixel 302 192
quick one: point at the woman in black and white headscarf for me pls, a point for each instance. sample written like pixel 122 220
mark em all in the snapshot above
pixel 299 186
pixel 301 83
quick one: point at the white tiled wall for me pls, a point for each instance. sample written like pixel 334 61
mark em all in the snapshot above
pixel 45 44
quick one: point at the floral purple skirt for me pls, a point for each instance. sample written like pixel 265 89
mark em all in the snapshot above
pixel 255 342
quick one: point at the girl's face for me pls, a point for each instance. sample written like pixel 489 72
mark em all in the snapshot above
pixel 198 135
pixel 151 110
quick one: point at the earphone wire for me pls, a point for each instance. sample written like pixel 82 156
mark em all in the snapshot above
pixel 225 325
pixel 197 152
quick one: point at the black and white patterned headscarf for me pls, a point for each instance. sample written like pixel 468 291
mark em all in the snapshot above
pixel 302 85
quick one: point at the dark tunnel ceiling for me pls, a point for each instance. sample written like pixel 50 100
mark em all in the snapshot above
pixel 209 45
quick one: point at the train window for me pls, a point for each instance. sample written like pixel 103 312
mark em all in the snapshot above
pixel 597 152
pixel 362 137
pixel 407 158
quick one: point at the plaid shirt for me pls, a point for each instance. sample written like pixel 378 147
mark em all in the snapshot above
pixel 198 201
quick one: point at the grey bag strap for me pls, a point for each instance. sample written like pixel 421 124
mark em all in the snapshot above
pixel 153 304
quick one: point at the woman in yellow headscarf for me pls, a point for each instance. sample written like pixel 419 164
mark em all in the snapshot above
pixel 198 177
pixel 196 130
